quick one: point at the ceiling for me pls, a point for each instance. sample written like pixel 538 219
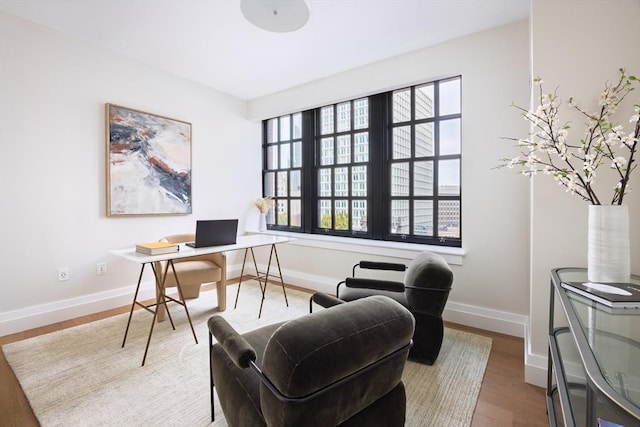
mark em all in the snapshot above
pixel 210 42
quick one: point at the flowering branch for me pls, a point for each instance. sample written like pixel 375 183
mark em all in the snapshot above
pixel 548 150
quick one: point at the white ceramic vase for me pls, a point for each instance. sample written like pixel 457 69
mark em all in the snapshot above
pixel 262 222
pixel 608 254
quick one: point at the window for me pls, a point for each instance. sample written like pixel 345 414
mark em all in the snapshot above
pixel 343 143
pixel 282 176
pixel 384 167
pixel 425 161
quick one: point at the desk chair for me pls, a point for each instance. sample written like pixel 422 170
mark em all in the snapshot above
pixel 194 271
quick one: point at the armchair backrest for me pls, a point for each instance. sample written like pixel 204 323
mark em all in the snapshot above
pixel 311 353
pixel 427 283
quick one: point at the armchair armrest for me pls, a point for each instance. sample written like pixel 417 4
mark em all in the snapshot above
pixel 374 265
pixel 381 285
pixel 391 266
pixel 324 300
pixel 238 349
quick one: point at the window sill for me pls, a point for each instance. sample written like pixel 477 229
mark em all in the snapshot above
pixel 454 256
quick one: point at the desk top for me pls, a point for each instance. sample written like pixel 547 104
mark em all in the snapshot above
pixel 243 242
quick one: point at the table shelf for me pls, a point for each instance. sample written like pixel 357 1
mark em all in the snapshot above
pixel 594 354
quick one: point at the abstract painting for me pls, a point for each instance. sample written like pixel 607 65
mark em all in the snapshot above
pixel 148 163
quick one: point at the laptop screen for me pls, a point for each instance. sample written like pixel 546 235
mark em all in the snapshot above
pixel 215 232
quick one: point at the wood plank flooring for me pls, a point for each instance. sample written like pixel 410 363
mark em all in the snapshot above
pixel 504 400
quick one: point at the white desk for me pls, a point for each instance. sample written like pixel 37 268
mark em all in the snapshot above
pixel 248 243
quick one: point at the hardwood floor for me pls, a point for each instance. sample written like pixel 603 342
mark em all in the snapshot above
pixel 504 400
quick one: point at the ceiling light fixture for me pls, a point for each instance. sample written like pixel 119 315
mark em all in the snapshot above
pixel 279 16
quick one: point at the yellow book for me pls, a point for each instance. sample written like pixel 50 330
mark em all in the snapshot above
pixel 157 248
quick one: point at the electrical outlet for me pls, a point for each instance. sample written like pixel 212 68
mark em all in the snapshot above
pixel 101 269
pixel 63 274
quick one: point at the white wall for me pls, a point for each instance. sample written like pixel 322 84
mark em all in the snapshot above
pixel 577 48
pixel 53 90
pixel 495 209
pixel 52 132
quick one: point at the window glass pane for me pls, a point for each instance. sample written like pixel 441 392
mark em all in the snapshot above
pixel 283 212
pixel 344 149
pixel 424 140
pixel 450 136
pixel 449 177
pixel 324 186
pixel 324 214
pixel 282 184
pixel 342 215
pixel 344 117
pixel 361 113
pixel 297 125
pixel 326 151
pixel 449 218
pixel 270 184
pixel 359 181
pixel 272 157
pixel 450 97
pixel 285 156
pixel 295 190
pixel 297 154
pixel 401 106
pixel 359 215
pixel 341 179
pixel 361 147
pixel 272 130
pixel 285 128
pixel 423 178
pixel 401 146
pixel 399 217
pixel 326 120
pixel 424 102
pixel 296 213
pixel 400 179
pixel 423 218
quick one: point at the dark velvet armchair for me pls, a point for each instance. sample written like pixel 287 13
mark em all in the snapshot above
pixel 424 291
pixel 317 370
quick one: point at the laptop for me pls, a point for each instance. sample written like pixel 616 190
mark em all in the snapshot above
pixel 216 232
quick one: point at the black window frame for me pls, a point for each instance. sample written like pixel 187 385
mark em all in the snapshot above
pixel 379 170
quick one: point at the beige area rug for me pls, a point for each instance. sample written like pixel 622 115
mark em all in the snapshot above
pixel 82 377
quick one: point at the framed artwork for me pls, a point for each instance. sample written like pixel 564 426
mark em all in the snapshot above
pixel 148 163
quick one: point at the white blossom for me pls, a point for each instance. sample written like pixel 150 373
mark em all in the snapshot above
pixel 619 162
pixel 573 164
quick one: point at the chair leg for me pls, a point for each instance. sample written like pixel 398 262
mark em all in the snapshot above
pixel 427 338
pixel 213 417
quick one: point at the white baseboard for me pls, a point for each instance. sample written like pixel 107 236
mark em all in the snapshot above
pixel 58 311
pixel 483 318
pixel 535 369
pixel 464 314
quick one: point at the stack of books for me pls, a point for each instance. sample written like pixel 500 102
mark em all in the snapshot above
pixel 157 248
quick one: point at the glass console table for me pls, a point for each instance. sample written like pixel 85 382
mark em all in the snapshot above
pixel 594 358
